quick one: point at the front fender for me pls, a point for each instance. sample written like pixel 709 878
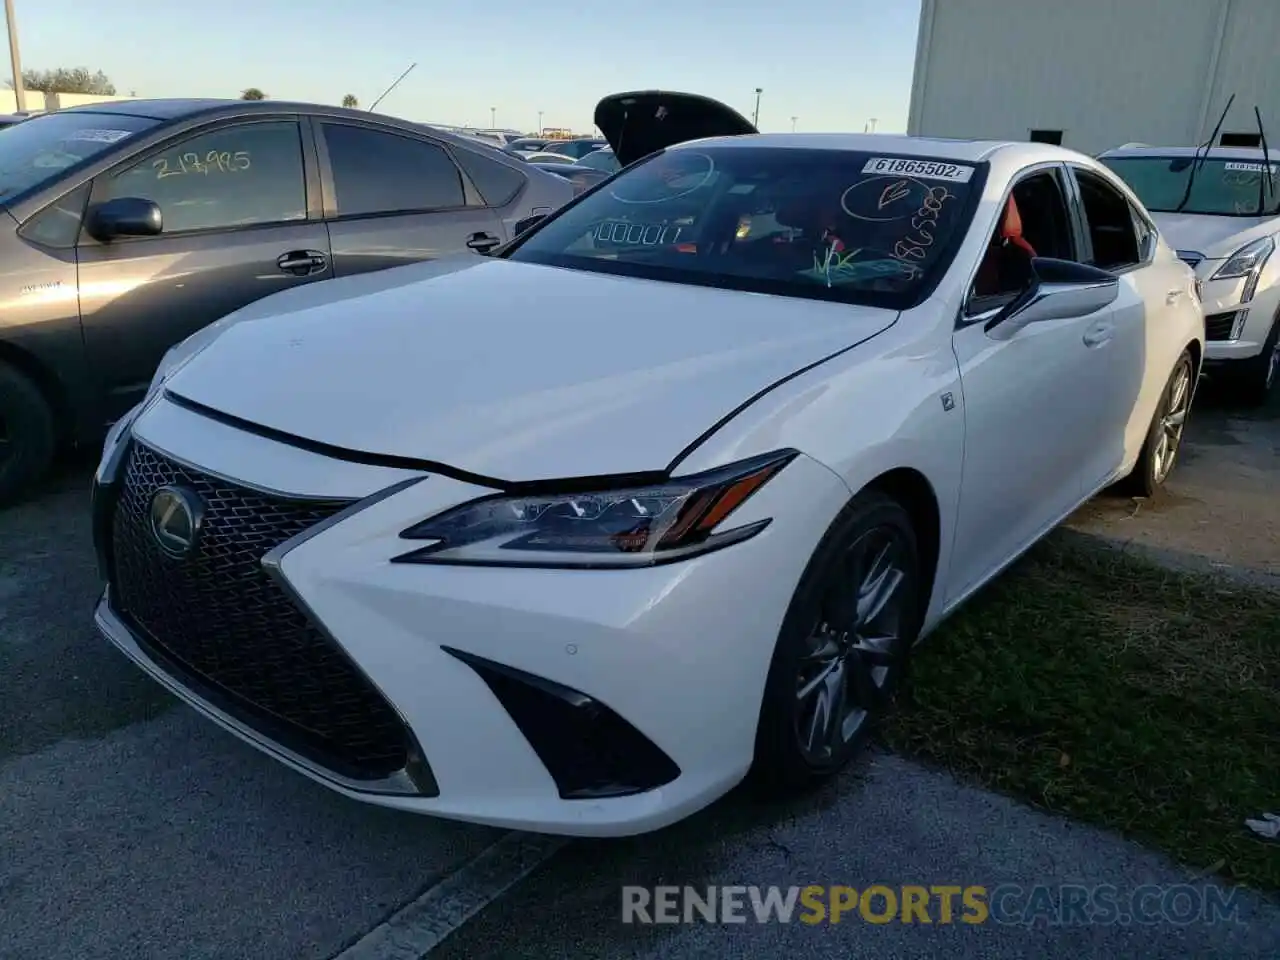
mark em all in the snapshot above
pixel 892 403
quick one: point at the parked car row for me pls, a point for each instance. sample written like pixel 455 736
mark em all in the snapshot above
pixel 134 224
pixel 442 553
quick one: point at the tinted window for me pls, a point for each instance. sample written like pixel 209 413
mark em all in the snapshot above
pixel 1109 219
pixel 1222 187
pixel 496 181
pixel 40 148
pixel 376 172
pixel 230 177
pixel 816 223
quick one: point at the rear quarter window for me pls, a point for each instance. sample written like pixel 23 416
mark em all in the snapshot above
pixel 497 183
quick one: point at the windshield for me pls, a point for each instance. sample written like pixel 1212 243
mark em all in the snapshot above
pixel 824 224
pixel 40 148
pixel 1224 187
pixel 601 160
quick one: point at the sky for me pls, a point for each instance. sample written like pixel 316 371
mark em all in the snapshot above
pixel 832 65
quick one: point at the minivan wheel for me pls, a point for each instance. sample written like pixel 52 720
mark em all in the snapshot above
pixel 843 647
pixel 28 434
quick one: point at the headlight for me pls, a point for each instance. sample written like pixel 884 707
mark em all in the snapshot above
pixel 1248 261
pixel 627 527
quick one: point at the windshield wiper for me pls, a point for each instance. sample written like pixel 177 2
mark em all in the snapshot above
pixel 1266 180
pixel 1197 160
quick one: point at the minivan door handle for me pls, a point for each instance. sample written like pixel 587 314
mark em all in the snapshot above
pixel 483 242
pixel 302 263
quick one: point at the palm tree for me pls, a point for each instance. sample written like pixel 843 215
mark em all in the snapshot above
pixel 350 101
pixel 253 93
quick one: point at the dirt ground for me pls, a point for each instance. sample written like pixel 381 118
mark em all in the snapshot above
pixel 1221 508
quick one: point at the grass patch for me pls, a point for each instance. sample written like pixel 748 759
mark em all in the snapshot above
pixel 1104 688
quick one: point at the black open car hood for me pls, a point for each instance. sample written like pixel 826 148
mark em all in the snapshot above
pixel 645 121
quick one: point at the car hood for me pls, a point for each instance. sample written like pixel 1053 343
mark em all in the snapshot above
pixel 642 122
pixel 1215 238
pixel 512 371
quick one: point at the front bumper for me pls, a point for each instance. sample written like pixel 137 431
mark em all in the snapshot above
pixel 594 702
pixel 1235 331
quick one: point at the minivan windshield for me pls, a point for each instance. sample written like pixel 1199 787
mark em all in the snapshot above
pixel 823 224
pixel 1223 187
pixel 40 148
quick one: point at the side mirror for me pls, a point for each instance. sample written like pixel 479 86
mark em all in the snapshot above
pixel 1059 290
pixel 523 226
pixel 124 217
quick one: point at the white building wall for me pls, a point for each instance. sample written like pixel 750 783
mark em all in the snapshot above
pixel 1105 72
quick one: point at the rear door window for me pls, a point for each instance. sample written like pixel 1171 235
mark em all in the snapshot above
pixel 378 172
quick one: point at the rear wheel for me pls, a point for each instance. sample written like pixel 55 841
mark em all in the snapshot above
pixel 843 647
pixel 1164 436
pixel 1257 375
pixel 28 435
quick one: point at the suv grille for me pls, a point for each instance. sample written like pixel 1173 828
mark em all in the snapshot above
pixel 231 632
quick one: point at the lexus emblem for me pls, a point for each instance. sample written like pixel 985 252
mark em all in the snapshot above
pixel 176 514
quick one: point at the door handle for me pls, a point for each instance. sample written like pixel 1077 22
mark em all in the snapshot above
pixel 1098 334
pixel 483 242
pixel 302 263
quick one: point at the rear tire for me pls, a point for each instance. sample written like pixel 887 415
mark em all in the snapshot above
pixel 28 434
pixel 1257 375
pixel 1164 435
pixel 846 639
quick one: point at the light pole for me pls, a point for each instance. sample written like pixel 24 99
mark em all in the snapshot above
pixel 756 121
pixel 539 131
pixel 493 118
pixel 19 94
pixel 793 124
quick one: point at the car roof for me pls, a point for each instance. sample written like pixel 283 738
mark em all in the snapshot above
pixel 970 151
pixel 1221 153
pixel 184 108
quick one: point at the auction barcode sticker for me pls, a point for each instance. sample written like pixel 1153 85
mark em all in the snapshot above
pixel 924 169
pixel 1251 167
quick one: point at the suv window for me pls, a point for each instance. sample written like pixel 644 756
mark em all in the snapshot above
pixel 1035 223
pixel 822 224
pixel 1109 220
pixel 379 172
pixel 229 177
pixel 497 182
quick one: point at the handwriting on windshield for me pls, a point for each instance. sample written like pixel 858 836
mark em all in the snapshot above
pixel 637 234
pixel 215 161
pixel 916 243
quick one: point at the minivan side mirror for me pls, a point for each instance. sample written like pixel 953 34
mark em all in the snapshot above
pixel 1059 290
pixel 523 226
pixel 124 217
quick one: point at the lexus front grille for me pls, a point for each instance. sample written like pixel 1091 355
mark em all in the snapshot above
pixel 229 630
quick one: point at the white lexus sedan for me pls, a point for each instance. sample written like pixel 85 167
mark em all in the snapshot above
pixel 575 537
pixel 1220 210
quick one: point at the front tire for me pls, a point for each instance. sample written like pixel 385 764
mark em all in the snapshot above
pixel 28 434
pixel 1164 435
pixel 843 647
pixel 1257 375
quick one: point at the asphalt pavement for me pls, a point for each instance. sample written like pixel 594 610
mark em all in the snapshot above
pixel 134 829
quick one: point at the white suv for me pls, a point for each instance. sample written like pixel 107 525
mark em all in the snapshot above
pixel 1221 212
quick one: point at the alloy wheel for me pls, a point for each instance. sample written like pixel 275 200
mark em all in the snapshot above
pixel 1172 422
pixel 1273 365
pixel 855 645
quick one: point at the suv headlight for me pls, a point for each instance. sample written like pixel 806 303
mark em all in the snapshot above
pixel 638 526
pixel 1248 262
